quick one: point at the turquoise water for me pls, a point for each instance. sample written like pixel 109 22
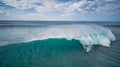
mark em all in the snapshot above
pixel 60 53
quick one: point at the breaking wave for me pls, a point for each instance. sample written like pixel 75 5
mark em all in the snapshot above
pixel 87 34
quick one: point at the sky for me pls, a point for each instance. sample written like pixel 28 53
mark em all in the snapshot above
pixel 60 10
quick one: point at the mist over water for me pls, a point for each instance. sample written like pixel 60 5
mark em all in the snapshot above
pixel 29 50
pixel 87 34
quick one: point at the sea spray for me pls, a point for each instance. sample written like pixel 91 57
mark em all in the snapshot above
pixel 87 34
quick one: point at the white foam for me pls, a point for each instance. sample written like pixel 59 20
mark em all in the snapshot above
pixel 87 34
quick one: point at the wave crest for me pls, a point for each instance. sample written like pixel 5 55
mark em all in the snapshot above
pixel 87 34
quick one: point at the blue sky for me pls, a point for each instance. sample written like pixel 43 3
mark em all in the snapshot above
pixel 60 10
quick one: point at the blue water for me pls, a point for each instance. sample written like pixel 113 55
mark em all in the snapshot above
pixel 59 52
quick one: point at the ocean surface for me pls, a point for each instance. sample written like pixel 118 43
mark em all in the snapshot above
pixel 19 49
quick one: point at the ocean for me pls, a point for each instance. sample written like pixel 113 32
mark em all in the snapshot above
pixel 33 44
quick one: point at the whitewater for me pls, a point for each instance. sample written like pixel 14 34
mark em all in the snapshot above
pixel 87 34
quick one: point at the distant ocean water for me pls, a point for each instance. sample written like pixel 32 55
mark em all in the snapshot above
pixel 54 52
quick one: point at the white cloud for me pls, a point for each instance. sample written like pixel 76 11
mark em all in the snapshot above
pixel 108 7
pixel 3 11
pixel 52 7
pixel 77 6
pixel 21 4
pixel 71 7
pixel 40 16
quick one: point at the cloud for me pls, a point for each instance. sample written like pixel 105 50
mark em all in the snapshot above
pixel 42 17
pixel 69 7
pixel 20 4
pixel 53 7
pixel 3 11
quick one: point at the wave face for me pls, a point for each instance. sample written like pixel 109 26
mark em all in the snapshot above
pixel 59 53
pixel 87 34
